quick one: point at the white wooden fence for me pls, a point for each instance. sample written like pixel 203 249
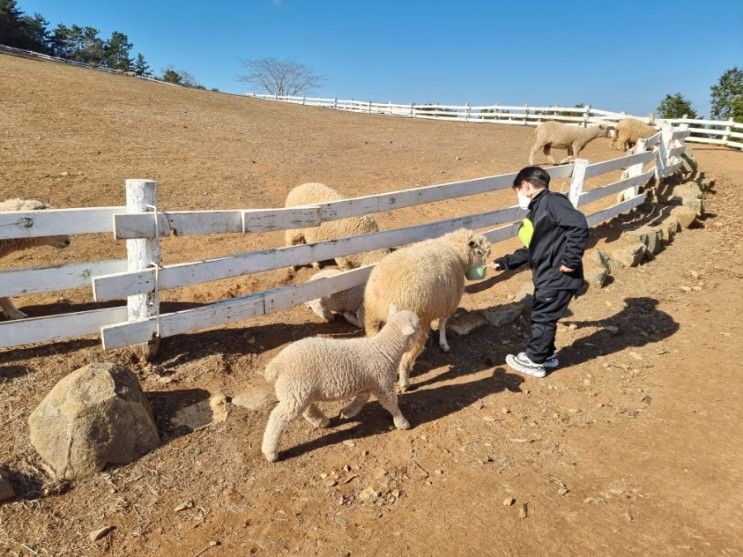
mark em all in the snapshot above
pixel 141 277
pixel 718 132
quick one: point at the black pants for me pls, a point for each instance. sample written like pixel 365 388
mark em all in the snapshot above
pixel 546 308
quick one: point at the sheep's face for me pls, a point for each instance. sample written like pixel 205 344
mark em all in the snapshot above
pixel 605 129
pixel 479 250
pixel 57 241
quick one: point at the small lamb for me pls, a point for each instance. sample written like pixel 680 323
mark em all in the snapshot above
pixel 324 369
pixel 14 244
pixel 349 303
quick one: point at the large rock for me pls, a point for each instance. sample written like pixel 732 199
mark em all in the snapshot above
pixel 504 314
pixel 629 255
pixel 596 269
pixel 684 216
pixel 651 236
pixel 95 416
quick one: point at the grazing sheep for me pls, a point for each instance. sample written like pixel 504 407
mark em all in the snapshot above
pixel 564 136
pixel 629 130
pixel 349 303
pixel 313 193
pixel 426 278
pixel 14 244
pixel 324 369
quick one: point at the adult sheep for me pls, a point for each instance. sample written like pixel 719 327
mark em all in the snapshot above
pixel 426 278
pixel 14 244
pixel 564 136
pixel 314 193
pixel 629 130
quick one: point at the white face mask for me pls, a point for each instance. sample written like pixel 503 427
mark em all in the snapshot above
pixel 524 200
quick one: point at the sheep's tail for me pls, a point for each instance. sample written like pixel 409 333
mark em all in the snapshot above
pixel 272 371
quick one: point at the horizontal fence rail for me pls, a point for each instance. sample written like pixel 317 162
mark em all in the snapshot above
pixel 57 222
pixel 184 223
pixel 59 277
pixel 720 132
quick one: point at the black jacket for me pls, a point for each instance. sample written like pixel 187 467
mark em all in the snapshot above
pixel 559 238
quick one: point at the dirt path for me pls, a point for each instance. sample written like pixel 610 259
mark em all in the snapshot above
pixel 632 447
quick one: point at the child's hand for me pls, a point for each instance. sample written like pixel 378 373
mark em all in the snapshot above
pixel 564 269
pixel 495 266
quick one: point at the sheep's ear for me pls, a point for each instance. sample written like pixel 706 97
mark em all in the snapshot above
pixel 407 329
pixel 392 311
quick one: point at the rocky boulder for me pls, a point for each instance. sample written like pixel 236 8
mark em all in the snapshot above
pixel 95 416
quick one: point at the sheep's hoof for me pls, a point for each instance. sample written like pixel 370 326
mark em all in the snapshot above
pixel 401 423
pixel 271 457
pixel 321 424
pixel 402 387
pixel 445 347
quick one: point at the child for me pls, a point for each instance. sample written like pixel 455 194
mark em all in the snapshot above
pixel 554 234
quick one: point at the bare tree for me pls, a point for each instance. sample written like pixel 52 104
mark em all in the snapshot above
pixel 280 77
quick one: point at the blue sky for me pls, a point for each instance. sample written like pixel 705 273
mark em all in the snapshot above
pixel 619 55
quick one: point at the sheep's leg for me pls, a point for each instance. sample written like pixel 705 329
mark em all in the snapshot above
pixel 546 151
pixel 315 416
pixel 352 318
pixel 571 154
pixel 533 152
pixel 10 311
pixel 284 412
pixel 408 359
pixel 388 400
pixel 442 335
pixel 355 406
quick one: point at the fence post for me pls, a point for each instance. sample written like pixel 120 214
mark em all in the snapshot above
pixel 526 114
pixel 335 103
pixel 304 100
pixel 369 109
pixel 631 172
pixel 728 129
pixel 576 180
pixel 467 113
pixel 666 133
pixel 390 112
pixel 141 197
pixel 586 113
pixel 412 109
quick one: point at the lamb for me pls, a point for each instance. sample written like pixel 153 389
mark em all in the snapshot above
pixel 563 136
pixel 324 369
pixel 629 130
pixel 349 303
pixel 14 244
pixel 313 193
pixel 426 278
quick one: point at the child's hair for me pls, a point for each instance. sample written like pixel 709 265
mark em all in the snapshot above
pixel 534 174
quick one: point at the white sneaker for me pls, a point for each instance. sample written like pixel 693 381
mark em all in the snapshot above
pixel 523 364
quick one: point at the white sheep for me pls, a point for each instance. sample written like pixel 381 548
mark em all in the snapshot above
pixel 314 193
pixel 629 130
pixel 426 278
pixel 564 136
pixel 325 369
pixel 14 244
pixel 349 303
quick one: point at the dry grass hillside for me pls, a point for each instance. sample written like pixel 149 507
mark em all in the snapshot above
pixel 631 447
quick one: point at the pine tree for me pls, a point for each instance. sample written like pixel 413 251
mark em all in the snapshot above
pixel 140 67
pixel 676 106
pixel 117 52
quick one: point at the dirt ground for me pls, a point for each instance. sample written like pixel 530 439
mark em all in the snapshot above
pixel 631 447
